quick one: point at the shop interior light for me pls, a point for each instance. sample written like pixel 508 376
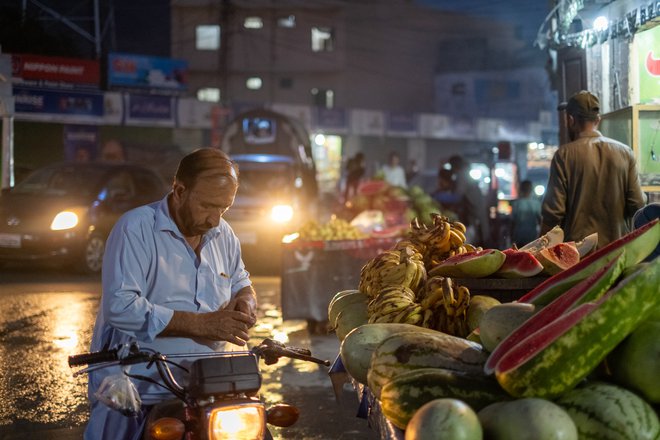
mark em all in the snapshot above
pixel 539 190
pixel 319 139
pixel 475 174
pixel 533 145
pixel 601 23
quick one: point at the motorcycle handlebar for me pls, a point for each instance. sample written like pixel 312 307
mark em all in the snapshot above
pixel 93 358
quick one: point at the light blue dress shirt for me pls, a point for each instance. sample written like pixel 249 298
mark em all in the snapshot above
pixel 149 270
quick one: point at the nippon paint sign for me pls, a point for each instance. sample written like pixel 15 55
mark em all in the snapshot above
pixel 648 54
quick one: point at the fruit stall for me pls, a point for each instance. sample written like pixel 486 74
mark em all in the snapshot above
pixel 429 347
pixel 322 258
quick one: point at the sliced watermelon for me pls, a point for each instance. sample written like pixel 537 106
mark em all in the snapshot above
pixel 519 264
pixel 476 264
pixel 638 245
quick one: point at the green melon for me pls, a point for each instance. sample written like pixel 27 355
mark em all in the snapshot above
pixel 349 298
pixel 527 419
pixel 349 318
pixel 451 418
pixel 635 363
pixel 500 320
pixel 358 346
pixel 603 411
pixel 479 305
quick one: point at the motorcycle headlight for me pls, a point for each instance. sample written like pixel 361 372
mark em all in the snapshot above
pixel 281 213
pixel 245 421
pixel 64 220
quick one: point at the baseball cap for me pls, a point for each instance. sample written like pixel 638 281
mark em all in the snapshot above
pixel 583 103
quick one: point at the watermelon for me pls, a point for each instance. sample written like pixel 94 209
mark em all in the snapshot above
pixel 638 245
pixel 476 264
pixel 558 258
pixel 589 289
pixel 403 352
pixel 519 264
pixel 451 417
pixel 604 411
pixel 408 392
pixel 555 358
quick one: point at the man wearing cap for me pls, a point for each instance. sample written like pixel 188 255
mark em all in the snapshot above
pixel 593 184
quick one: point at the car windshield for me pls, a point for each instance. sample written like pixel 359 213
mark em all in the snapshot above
pixel 259 180
pixel 61 181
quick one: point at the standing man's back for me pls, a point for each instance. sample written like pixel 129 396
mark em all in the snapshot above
pixel 593 185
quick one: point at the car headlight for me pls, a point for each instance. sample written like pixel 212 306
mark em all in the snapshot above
pixel 281 213
pixel 64 220
pixel 237 422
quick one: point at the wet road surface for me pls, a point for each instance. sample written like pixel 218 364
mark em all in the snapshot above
pixel 47 315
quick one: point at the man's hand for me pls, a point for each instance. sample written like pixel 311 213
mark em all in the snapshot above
pixel 226 325
pixel 245 301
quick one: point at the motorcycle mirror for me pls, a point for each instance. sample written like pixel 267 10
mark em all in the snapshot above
pixel 282 415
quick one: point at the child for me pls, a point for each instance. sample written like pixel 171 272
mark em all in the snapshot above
pixel 525 216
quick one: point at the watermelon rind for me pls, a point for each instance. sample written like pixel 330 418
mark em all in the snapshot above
pixel 575 351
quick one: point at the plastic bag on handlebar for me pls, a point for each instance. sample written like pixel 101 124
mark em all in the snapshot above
pixel 119 393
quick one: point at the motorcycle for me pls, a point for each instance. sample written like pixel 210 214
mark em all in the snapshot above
pixel 220 400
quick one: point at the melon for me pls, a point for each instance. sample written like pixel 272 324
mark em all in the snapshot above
pixel 348 299
pixel 349 318
pixel 476 264
pixel 552 237
pixel 608 412
pixel 527 419
pixel 452 418
pixel 558 258
pixel 358 346
pixel 519 264
pixel 499 321
pixel 587 244
pixel 479 305
pixel 635 363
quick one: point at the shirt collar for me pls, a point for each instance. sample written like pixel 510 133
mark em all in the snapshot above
pixel 591 133
pixel 165 222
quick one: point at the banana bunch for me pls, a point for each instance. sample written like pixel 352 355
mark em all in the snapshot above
pixel 448 302
pixel 441 240
pixel 334 229
pixel 396 304
pixel 393 267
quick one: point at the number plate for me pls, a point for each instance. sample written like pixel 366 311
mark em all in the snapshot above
pixel 247 237
pixel 10 240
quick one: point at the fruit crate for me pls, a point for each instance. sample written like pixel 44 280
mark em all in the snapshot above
pixel 504 290
pixel 314 271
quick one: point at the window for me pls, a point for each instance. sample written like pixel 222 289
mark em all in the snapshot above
pixel 322 39
pixel 253 83
pixel 209 94
pixel 287 22
pixel 253 23
pixel 323 98
pixel 207 37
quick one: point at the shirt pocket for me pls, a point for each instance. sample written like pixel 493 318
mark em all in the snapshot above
pixel 213 290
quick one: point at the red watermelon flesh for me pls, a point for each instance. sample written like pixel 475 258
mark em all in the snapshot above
pixel 554 286
pixel 588 289
pixel 537 341
pixel 519 264
pixel 558 258
pixel 372 187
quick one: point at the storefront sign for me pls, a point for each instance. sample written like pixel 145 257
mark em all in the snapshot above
pixel 145 72
pixel 81 142
pixel 55 72
pixel 401 122
pixel 333 119
pixel 31 100
pixel 149 107
pixel 648 54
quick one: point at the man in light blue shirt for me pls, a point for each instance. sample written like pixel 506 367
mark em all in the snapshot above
pixel 173 281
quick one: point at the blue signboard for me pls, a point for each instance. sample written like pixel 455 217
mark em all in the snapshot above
pixel 30 100
pixel 146 72
pixel 149 107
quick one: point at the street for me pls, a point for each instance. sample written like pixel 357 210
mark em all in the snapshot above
pixel 47 314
